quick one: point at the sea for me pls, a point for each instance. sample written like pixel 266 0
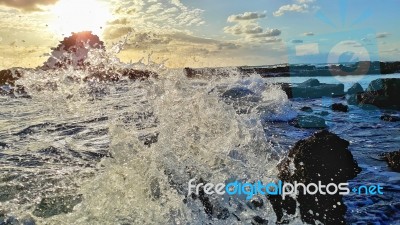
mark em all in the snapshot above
pixel 78 152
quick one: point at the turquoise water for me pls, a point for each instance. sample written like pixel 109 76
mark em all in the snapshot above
pixel 348 81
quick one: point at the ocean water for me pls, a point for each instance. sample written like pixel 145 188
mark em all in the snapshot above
pixel 78 152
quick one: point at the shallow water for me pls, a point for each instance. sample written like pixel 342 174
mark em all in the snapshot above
pixel 122 153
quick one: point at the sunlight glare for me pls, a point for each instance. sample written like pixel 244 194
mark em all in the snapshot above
pixel 77 15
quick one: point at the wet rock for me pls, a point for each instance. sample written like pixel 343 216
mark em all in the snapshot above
pixel 257 220
pixel 339 107
pixel 322 157
pixel 393 160
pixel 4 145
pixel 352 99
pixel 255 203
pixel 312 89
pixel 307 109
pixel 8 77
pixel 312 122
pixel 310 83
pixel 323 113
pixel 51 206
pixel 382 93
pixel 390 118
pixel 9 192
pixel 212 208
pixel 11 220
pixel 355 89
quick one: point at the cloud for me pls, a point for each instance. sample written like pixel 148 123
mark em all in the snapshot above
pixel 238 29
pixel 305 1
pixel 227 45
pixel 297 41
pixel 120 21
pixel 268 33
pixel 248 30
pixel 271 40
pixel 382 35
pixel 246 16
pixel 27 5
pixel 156 14
pixel 291 8
pixel 112 32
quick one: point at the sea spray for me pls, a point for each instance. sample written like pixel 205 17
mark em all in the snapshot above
pixel 200 135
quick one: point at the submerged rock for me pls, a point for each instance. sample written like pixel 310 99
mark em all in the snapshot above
pixel 339 107
pixel 312 88
pixel 237 92
pixel 52 206
pixel 393 160
pixel 312 122
pixel 322 113
pixel 307 109
pixel 390 118
pixel 322 157
pixel 383 93
pixel 355 89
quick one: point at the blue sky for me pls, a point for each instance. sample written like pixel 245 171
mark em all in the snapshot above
pixel 206 32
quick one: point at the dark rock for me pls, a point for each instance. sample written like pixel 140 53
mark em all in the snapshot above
pixel 390 118
pixel 4 145
pixel 52 206
pixel 73 50
pixel 309 122
pixel 322 157
pixel 255 203
pixel 352 100
pixel 211 208
pixel 312 89
pixel 237 92
pixel 382 93
pixel 323 113
pixel 339 107
pixel 355 89
pixel 310 83
pixel 393 160
pixel 257 220
pixel 307 109
pixel 8 77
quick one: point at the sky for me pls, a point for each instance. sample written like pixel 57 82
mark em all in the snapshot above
pixel 205 33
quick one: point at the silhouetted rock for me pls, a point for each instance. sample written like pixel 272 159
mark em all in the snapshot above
pixel 339 107
pixel 355 89
pixel 383 93
pixel 312 122
pixel 393 160
pixel 73 50
pixel 390 118
pixel 322 157
pixel 312 88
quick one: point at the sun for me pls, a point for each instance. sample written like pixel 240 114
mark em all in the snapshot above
pixel 79 15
